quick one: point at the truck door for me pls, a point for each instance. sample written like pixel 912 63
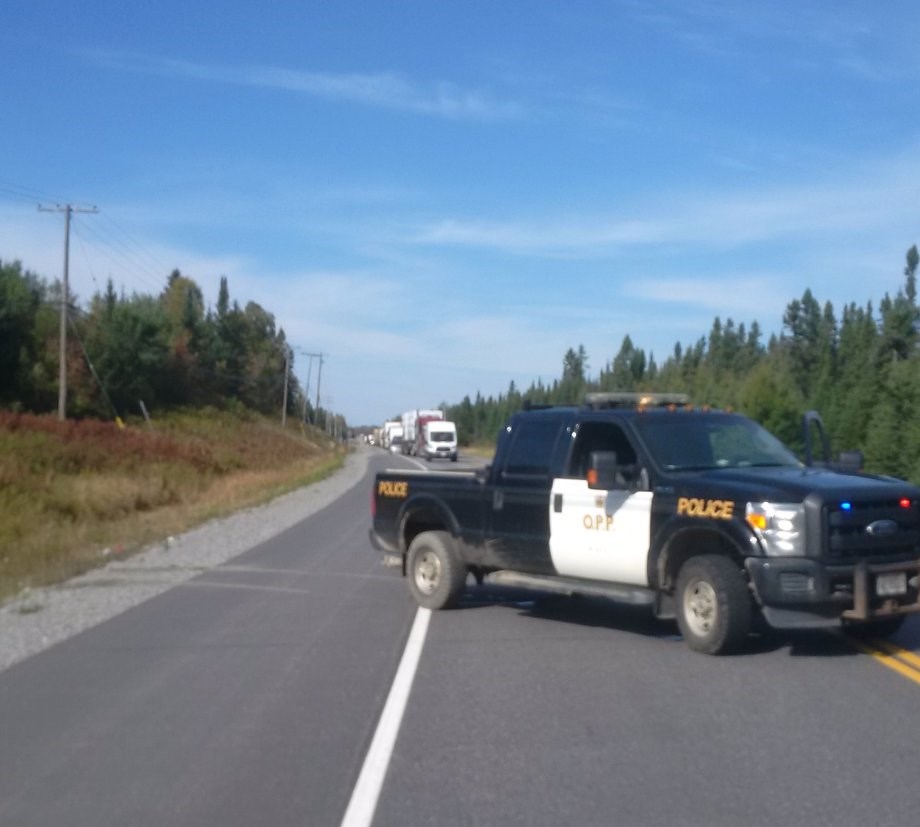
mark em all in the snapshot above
pixel 518 507
pixel 601 535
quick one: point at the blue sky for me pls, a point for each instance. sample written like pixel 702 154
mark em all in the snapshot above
pixel 443 197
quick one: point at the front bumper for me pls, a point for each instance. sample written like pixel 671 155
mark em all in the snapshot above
pixel 802 592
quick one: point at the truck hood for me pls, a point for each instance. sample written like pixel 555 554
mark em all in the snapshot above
pixel 795 484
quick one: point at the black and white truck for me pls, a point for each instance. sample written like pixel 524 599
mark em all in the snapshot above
pixel 699 514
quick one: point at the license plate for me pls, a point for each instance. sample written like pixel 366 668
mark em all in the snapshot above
pixel 889 584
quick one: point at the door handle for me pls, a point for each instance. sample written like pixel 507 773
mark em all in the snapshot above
pixel 498 500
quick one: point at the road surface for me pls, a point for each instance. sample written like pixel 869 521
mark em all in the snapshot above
pixel 252 693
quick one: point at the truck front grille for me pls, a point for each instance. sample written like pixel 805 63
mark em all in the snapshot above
pixel 873 530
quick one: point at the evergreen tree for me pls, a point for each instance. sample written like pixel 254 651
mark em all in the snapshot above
pixel 572 387
pixel 768 396
pixel 21 295
pixel 802 325
pixel 910 272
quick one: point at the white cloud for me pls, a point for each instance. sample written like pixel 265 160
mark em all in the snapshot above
pixel 387 90
pixel 540 236
pixel 743 297
pixel 855 38
pixel 865 201
pixel 660 274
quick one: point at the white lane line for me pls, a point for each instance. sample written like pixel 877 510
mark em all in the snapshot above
pixel 363 803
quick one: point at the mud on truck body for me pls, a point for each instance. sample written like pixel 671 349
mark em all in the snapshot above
pixel 701 515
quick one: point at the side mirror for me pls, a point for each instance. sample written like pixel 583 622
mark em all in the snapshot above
pixel 850 462
pixel 604 472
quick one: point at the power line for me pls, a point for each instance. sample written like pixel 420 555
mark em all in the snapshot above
pixel 110 239
pixel 92 368
pixel 86 258
pixel 123 256
pixel 21 193
pixel 306 390
pixel 139 246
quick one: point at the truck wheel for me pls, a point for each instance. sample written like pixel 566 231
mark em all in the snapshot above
pixel 713 605
pixel 436 575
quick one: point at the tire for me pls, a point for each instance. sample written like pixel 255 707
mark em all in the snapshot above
pixel 713 605
pixel 885 627
pixel 436 575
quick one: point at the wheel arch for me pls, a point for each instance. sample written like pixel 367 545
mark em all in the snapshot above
pixel 691 541
pixel 424 513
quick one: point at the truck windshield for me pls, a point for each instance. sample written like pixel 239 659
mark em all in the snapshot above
pixel 441 436
pixel 691 441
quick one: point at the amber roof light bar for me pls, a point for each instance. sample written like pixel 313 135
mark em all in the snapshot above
pixel 635 400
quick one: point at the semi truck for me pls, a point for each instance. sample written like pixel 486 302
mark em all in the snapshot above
pixel 411 422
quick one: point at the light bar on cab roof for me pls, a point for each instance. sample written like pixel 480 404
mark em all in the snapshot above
pixel 635 400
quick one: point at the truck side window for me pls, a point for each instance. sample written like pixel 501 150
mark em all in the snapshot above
pixel 532 447
pixel 603 436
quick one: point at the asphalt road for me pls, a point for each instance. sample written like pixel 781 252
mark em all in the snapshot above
pixel 250 695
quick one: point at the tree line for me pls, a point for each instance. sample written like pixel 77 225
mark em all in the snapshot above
pixel 860 368
pixel 167 350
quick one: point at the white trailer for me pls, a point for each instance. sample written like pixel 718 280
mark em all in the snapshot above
pixel 389 429
pixel 410 420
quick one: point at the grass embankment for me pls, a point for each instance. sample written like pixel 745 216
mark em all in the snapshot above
pixel 76 494
pixel 484 450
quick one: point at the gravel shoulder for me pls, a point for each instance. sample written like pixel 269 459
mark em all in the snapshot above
pixel 36 619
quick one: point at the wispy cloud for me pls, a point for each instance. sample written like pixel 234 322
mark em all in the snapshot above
pixel 539 237
pixel 849 37
pixel 385 90
pixel 862 202
pixel 752 295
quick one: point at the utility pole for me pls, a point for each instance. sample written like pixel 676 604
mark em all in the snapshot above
pixel 319 378
pixel 306 389
pixel 330 417
pixel 67 209
pixel 287 372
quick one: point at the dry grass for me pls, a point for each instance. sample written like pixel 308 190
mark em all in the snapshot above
pixel 73 493
pixel 485 450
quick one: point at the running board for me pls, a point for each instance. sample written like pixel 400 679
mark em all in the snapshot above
pixel 633 595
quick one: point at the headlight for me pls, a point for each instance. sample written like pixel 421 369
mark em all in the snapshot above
pixel 780 527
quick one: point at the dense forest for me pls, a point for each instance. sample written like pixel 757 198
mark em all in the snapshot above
pixel 860 369
pixel 166 351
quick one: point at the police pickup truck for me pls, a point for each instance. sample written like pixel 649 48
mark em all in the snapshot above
pixel 699 514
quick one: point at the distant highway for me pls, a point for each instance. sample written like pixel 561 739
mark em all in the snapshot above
pixel 251 695
pixel 465 462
